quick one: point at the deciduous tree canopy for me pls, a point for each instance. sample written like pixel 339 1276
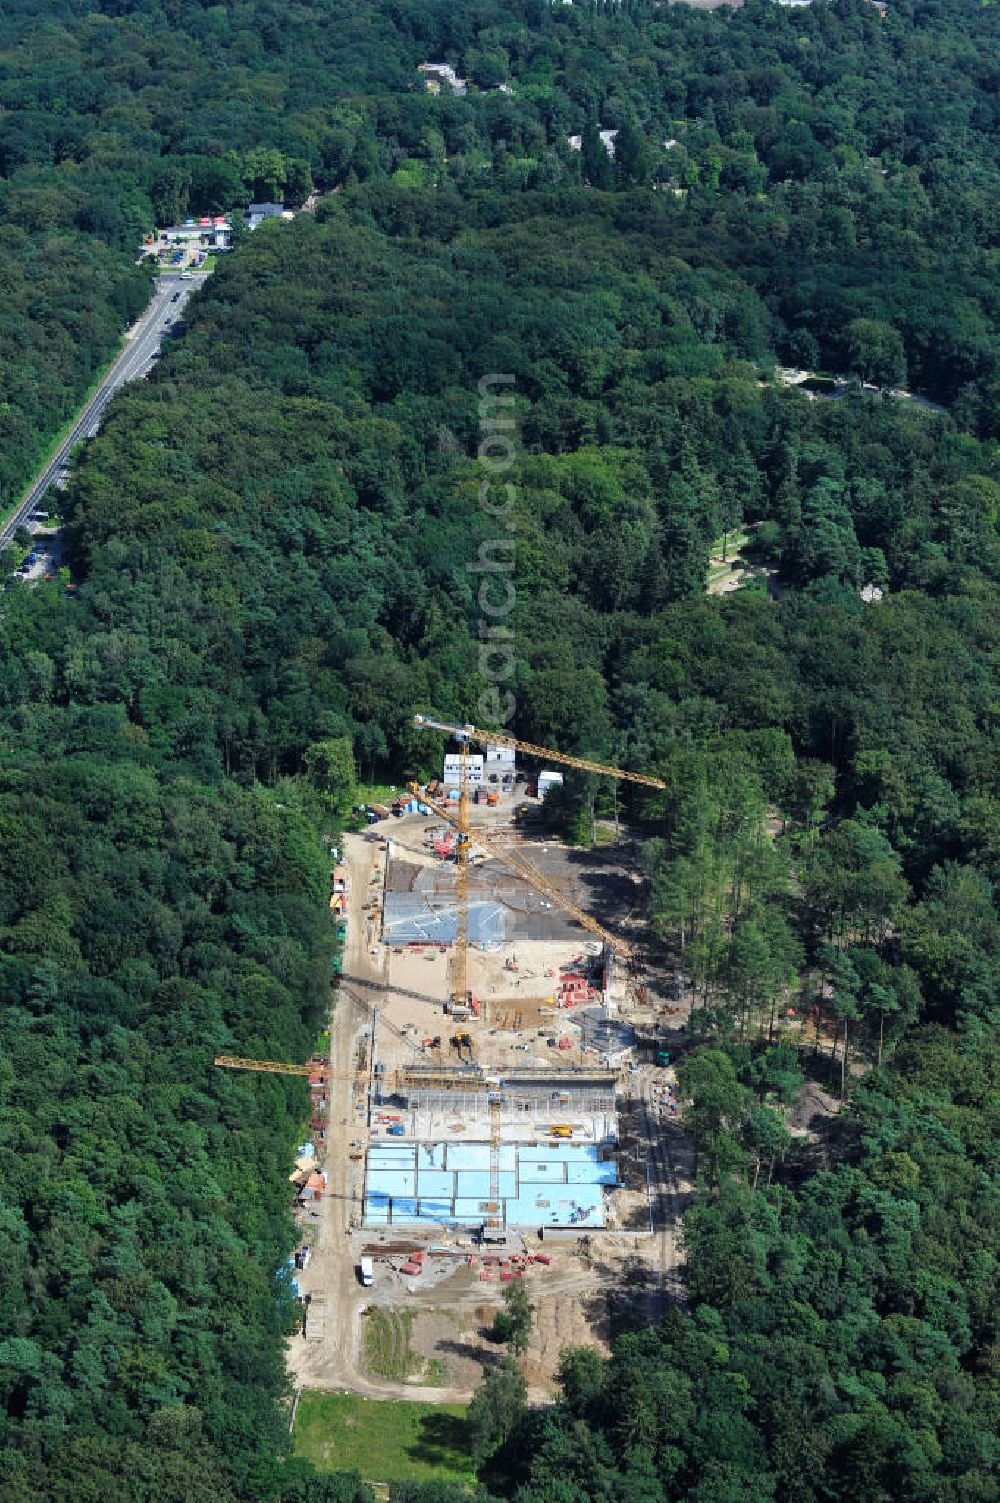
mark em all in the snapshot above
pixel 271 543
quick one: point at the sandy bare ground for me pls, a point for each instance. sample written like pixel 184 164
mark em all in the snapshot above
pixel 331 1276
pixel 593 1287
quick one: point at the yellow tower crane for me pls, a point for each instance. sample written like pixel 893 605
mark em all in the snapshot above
pixel 466 733
pixel 461 992
pixel 279 1067
pixel 494 1229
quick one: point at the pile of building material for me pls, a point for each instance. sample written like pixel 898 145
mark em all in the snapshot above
pixel 574 989
pixel 512 1267
pixel 310 1185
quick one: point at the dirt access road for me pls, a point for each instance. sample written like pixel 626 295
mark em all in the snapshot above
pixel 671 1160
pixel 330 1282
pixel 336 1298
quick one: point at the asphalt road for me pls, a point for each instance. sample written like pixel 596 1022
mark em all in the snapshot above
pixel 141 348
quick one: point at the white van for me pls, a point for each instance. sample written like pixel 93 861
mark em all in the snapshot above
pixel 366 1269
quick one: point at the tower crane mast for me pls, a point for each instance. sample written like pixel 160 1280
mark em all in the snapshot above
pixel 461 972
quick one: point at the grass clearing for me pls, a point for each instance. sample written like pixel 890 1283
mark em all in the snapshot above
pixel 378 793
pixel 385 1440
pixel 730 543
pixel 744 566
pixel 720 568
pixel 387 1344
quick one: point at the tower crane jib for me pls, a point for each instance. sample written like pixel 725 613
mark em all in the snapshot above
pixel 466 733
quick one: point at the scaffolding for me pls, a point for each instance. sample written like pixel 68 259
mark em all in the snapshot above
pixel 516 1106
pixel 435 1113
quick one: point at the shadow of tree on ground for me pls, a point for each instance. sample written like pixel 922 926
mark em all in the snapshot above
pixel 442 1440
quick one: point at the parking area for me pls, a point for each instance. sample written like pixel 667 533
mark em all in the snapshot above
pixel 184 255
pixel 44 556
pixel 180 258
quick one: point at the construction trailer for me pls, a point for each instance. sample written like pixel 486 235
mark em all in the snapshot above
pixel 453 770
pixel 499 770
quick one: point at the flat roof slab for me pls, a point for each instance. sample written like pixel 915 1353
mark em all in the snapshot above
pixel 554 1184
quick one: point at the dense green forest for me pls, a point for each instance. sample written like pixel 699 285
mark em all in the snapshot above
pixel 274 543
pixel 844 164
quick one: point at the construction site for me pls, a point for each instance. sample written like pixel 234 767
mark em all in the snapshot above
pixel 498 1085
pixel 500 1036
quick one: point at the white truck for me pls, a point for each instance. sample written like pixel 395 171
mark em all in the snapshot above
pixel 366 1272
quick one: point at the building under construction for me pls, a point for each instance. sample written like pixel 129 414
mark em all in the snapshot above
pixel 498 935
pixel 554 1166
pixel 421 907
pixel 503 1103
